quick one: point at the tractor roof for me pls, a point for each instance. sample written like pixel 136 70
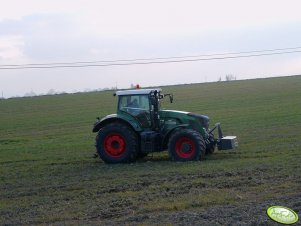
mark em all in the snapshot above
pixel 136 91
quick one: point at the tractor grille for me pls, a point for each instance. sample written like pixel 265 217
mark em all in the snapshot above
pixel 203 119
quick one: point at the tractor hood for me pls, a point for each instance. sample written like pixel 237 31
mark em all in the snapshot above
pixel 201 117
pixel 181 113
pixel 173 114
pixel 204 120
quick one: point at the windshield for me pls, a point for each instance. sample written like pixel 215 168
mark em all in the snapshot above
pixel 137 106
pixel 137 102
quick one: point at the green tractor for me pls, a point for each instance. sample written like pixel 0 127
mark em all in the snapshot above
pixel 141 127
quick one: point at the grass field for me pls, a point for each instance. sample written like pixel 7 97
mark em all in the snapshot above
pixel 48 175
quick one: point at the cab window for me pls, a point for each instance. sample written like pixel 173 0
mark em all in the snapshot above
pixel 137 102
pixel 138 106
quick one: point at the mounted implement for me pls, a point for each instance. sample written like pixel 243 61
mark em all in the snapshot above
pixel 140 127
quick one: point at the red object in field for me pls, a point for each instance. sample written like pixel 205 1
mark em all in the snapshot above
pixel 137 86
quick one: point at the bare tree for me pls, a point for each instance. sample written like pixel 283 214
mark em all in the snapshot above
pixel 230 77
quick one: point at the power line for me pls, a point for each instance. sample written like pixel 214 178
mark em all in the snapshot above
pixel 150 60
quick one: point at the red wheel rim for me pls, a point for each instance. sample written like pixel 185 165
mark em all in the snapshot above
pixel 114 145
pixel 185 147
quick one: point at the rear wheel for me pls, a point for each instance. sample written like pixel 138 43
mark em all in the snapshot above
pixel 186 145
pixel 116 143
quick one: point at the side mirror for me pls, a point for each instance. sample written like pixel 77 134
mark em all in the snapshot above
pixel 170 96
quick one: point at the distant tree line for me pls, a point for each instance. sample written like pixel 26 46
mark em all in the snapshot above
pixel 228 78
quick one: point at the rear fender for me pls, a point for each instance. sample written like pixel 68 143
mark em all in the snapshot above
pixel 100 123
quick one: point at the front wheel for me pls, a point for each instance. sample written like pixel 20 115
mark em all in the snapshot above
pixel 116 143
pixel 186 145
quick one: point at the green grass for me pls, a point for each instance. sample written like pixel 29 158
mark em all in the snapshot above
pixel 48 175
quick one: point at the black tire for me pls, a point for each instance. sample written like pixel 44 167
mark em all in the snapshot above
pixel 210 146
pixel 116 143
pixel 186 145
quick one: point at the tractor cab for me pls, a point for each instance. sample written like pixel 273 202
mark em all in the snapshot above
pixel 142 104
pixel 133 102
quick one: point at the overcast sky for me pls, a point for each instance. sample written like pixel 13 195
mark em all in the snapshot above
pixel 46 31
